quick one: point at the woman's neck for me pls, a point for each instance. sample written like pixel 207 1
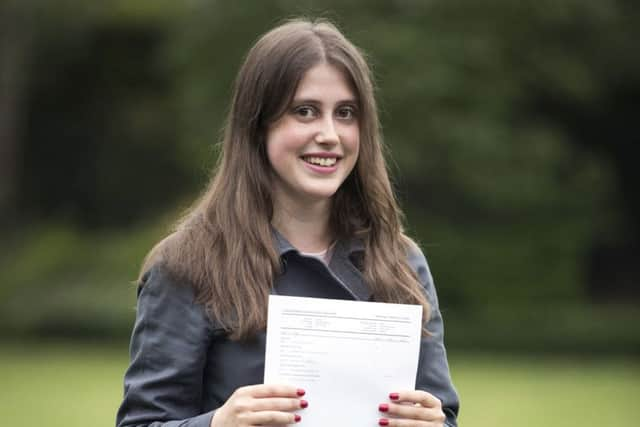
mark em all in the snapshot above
pixel 305 227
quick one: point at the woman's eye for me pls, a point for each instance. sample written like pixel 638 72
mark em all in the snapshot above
pixel 346 113
pixel 305 111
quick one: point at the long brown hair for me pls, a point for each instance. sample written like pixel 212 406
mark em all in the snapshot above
pixel 224 245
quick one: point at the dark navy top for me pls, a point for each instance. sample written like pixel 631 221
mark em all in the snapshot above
pixel 183 366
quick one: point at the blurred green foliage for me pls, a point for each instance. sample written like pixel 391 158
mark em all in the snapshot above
pixel 510 127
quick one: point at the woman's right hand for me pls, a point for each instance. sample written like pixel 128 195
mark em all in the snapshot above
pixel 263 404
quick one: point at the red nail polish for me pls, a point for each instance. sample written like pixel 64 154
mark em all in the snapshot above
pixel 300 392
pixel 383 407
pixel 297 418
pixel 304 403
pixel 383 422
pixel 394 396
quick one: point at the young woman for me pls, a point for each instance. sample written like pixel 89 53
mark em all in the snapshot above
pixel 300 204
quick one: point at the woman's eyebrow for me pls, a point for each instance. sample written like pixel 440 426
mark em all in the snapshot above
pixel 318 102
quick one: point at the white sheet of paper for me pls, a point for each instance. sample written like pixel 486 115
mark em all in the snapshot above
pixel 347 355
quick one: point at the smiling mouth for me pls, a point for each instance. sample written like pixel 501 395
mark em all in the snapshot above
pixel 320 161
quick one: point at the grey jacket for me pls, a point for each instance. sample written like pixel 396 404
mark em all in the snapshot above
pixel 183 366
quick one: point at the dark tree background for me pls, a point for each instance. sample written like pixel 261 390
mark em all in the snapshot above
pixel 511 129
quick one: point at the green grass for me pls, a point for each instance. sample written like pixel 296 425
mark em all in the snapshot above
pixel 523 392
pixel 61 385
pixel 77 385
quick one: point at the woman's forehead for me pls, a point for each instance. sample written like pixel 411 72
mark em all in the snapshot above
pixel 325 83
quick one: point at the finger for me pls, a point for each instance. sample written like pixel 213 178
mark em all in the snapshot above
pixel 271 390
pixel 412 412
pixel 278 404
pixel 425 399
pixel 399 422
pixel 271 418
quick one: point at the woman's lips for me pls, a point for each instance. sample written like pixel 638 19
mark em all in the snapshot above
pixel 321 164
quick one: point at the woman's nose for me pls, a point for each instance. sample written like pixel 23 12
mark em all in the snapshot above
pixel 327 134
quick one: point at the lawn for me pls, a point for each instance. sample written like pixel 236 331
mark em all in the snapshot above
pixel 77 385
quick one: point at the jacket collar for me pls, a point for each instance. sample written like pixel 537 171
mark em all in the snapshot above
pixel 340 265
pixel 348 246
pixel 282 244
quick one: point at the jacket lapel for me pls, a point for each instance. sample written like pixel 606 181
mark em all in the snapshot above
pixel 349 277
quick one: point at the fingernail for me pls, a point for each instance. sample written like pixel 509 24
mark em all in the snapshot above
pixel 297 418
pixel 383 407
pixel 394 396
pixel 383 422
pixel 304 403
pixel 300 392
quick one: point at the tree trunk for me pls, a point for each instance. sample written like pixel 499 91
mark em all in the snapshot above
pixel 16 34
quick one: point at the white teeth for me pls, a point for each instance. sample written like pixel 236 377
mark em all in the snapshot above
pixel 322 161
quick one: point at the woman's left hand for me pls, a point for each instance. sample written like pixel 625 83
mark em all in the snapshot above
pixel 414 408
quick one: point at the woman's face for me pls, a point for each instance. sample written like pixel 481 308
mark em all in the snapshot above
pixel 314 146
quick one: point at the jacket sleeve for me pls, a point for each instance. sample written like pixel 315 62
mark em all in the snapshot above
pixel 163 384
pixel 433 368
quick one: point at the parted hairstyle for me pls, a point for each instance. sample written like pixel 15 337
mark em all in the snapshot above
pixel 224 245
